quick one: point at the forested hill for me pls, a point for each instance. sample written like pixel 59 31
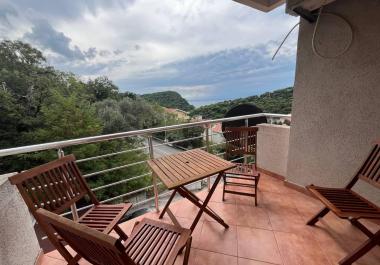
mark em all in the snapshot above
pixel 169 99
pixel 278 101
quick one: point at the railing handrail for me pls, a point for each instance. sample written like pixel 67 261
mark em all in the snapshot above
pixel 113 136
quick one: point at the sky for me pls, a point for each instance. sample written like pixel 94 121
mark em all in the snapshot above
pixel 207 50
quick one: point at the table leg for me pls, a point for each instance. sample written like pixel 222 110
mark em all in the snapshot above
pixel 173 218
pixel 207 210
pixel 167 204
pixel 204 205
pixel 198 202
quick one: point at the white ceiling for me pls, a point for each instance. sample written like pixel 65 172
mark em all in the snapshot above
pixel 268 5
pixel 263 5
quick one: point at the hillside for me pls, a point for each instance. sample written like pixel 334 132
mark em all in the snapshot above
pixel 279 101
pixel 169 99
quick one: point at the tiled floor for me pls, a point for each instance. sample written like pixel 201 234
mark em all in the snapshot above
pixel 274 232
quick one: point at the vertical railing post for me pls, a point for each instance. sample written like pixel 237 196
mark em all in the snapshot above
pixel 246 140
pixel 73 207
pixel 154 178
pixel 207 136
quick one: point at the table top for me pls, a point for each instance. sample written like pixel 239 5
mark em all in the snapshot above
pixel 186 167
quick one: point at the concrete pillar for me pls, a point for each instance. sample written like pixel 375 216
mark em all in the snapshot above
pixel 272 148
pixel 18 241
pixel 336 105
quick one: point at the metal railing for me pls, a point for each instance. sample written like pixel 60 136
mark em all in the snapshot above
pixel 149 148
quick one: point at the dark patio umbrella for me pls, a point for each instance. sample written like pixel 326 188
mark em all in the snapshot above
pixel 240 110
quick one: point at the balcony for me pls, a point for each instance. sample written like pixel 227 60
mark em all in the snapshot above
pixel 274 232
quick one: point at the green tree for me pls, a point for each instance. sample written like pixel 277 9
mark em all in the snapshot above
pixel 169 99
pixel 39 104
pixel 279 101
pixel 10 115
pixel 67 117
pixel 102 88
pixel 22 85
pixel 128 114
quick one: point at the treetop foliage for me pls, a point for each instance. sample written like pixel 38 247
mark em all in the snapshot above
pixel 41 104
pixel 169 99
pixel 278 101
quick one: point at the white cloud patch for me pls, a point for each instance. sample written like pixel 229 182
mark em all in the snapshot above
pixel 149 39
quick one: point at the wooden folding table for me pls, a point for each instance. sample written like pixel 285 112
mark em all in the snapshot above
pixel 177 170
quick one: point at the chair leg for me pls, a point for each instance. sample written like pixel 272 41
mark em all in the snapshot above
pixel 316 217
pixel 59 245
pixel 187 252
pixel 75 260
pixel 224 186
pixel 256 183
pixel 361 250
pixel 361 227
pixel 120 232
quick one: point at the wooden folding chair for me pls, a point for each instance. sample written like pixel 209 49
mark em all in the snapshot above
pixel 241 141
pixel 347 204
pixel 58 185
pixel 151 242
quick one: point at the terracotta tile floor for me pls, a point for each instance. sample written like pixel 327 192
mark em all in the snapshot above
pixel 274 232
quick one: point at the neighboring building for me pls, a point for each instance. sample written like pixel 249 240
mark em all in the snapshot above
pixel 216 134
pixel 196 118
pixel 279 120
pixel 181 114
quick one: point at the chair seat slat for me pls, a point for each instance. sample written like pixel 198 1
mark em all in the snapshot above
pixel 56 186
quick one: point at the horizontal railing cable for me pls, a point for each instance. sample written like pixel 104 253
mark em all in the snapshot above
pixel 121 181
pixel 178 141
pixel 108 137
pixel 111 154
pixel 113 169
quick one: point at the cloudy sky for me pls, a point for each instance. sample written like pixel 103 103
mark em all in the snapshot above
pixel 207 50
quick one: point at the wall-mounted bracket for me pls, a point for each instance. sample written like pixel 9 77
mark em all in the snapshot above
pixel 310 16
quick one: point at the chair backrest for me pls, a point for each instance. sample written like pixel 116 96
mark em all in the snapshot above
pixel 94 246
pixel 241 141
pixel 54 186
pixel 370 170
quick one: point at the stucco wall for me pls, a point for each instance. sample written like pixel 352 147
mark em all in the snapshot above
pixel 336 107
pixel 272 148
pixel 18 242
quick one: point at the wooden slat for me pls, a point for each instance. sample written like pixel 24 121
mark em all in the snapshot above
pixel 346 203
pixel 186 167
pixel 190 171
pixel 370 171
pixel 194 161
pixel 243 170
pixel 170 169
pixel 57 185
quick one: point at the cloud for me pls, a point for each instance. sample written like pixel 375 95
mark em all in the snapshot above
pixel 60 49
pixel 217 76
pixel 149 44
pixel 46 36
pixel 5 12
pixel 68 9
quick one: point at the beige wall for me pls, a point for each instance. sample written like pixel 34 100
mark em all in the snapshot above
pixel 18 241
pixel 272 148
pixel 336 107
